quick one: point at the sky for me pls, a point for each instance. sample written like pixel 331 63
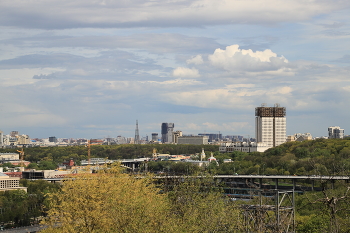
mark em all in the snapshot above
pixel 91 68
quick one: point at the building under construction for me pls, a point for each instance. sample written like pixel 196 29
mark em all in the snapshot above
pixel 270 125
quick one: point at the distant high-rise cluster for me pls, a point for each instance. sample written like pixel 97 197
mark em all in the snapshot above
pixel 335 132
pixel 167 132
pixel 270 125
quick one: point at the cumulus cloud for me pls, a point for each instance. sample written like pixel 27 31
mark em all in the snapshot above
pixel 197 60
pixel 184 72
pixel 235 59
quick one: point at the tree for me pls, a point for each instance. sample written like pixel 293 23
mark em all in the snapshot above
pixel 336 203
pixel 199 206
pixel 14 206
pixel 32 166
pixel 108 201
pixel 47 165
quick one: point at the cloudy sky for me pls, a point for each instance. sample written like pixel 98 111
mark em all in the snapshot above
pixel 91 68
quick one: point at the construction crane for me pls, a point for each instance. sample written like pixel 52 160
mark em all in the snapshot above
pixel 89 144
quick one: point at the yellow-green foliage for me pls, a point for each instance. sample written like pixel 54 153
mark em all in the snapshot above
pixel 111 201
pixel 108 202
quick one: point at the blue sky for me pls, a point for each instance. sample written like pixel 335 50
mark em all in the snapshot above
pixel 92 68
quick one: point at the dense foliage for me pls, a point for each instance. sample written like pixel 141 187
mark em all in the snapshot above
pixel 326 211
pixel 20 208
pixel 315 157
pixel 111 201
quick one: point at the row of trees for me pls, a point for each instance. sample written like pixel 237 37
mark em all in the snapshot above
pixel 125 151
pixel 111 201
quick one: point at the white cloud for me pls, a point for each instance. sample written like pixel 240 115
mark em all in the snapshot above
pixel 235 59
pixel 184 72
pixel 197 60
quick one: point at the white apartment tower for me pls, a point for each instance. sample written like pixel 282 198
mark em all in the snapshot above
pixel 270 125
pixel 335 132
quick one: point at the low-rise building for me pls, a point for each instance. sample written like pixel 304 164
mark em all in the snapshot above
pixel 243 147
pixel 299 137
pixel 9 156
pixel 194 140
pixel 10 183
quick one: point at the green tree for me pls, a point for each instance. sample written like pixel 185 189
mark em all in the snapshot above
pixel 47 165
pixel 199 207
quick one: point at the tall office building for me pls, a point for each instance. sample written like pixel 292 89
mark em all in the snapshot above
pixel 167 132
pixel 155 137
pixel 53 139
pixel 335 132
pixel 270 125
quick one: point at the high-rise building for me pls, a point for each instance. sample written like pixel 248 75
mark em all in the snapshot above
pixel 1 138
pixel 155 137
pixel 270 125
pixel 176 136
pixel 52 139
pixel 335 132
pixel 167 132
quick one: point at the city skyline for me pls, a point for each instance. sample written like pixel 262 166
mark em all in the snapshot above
pixel 92 68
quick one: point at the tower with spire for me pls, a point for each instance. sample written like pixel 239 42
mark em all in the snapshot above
pixel 137 135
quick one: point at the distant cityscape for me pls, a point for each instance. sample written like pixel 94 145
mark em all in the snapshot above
pixel 270 131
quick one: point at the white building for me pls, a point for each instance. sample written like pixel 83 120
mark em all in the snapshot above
pixel 299 137
pixel 335 132
pixel 270 125
pixel 9 183
pixel 243 147
pixel 176 136
pixel 9 156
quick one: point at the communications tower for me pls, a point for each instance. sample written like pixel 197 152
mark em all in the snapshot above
pixel 137 135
